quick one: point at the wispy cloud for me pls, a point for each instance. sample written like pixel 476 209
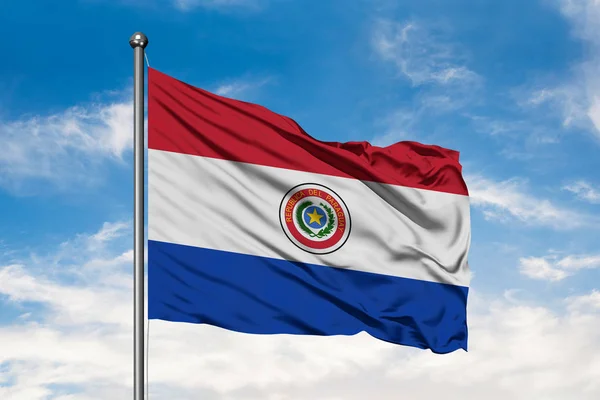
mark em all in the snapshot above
pixel 74 337
pixel 241 88
pixel 191 5
pixel 519 137
pixel 396 127
pixel 542 110
pixel 67 149
pixel 109 232
pixel 584 191
pixel 64 147
pixel 422 55
pixel 186 5
pixel 509 200
pixel 442 83
pixel 404 123
pixel 553 268
pixel 521 130
pixel 575 100
pixel 565 103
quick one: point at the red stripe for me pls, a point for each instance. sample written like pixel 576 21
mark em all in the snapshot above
pixel 189 120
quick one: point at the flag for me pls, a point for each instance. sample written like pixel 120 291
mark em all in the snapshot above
pixel 254 226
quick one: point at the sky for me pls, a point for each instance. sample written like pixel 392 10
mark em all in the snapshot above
pixel 512 85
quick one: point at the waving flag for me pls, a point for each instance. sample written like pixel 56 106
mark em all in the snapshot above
pixel 254 226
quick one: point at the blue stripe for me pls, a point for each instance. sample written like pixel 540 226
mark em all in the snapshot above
pixel 269 296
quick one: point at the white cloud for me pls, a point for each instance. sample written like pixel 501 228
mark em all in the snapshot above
pixel 553 268
pixel 422 55
pixel 541 269
pixel 584 303
pixel 585 16
pixel 593 112
pixel 508 200
pixel 579 262
pixel 65 147
pixel 519 352
pixel 584 191
pixel 79 344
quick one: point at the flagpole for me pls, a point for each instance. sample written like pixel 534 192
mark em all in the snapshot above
pixel 138 43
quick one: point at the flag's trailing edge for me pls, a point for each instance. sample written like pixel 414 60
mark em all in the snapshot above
pixel 254 226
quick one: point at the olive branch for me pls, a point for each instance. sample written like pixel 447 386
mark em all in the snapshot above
pixel 324 231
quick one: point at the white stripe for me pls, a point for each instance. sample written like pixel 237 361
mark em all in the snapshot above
pixel 230 206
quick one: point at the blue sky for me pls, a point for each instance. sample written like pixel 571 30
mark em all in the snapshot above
pixel 512 85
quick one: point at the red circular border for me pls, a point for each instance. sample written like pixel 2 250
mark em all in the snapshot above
pixel 333 240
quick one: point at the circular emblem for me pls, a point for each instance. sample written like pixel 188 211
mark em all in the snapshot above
pixel 315 218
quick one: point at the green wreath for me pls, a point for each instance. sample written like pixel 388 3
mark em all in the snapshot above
pixel 324 231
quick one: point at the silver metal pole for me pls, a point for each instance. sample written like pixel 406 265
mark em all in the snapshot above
pixel 138 42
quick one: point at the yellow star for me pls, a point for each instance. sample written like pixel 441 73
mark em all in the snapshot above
pixel 315 217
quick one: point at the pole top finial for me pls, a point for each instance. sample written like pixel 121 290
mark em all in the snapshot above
pixel 138 39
